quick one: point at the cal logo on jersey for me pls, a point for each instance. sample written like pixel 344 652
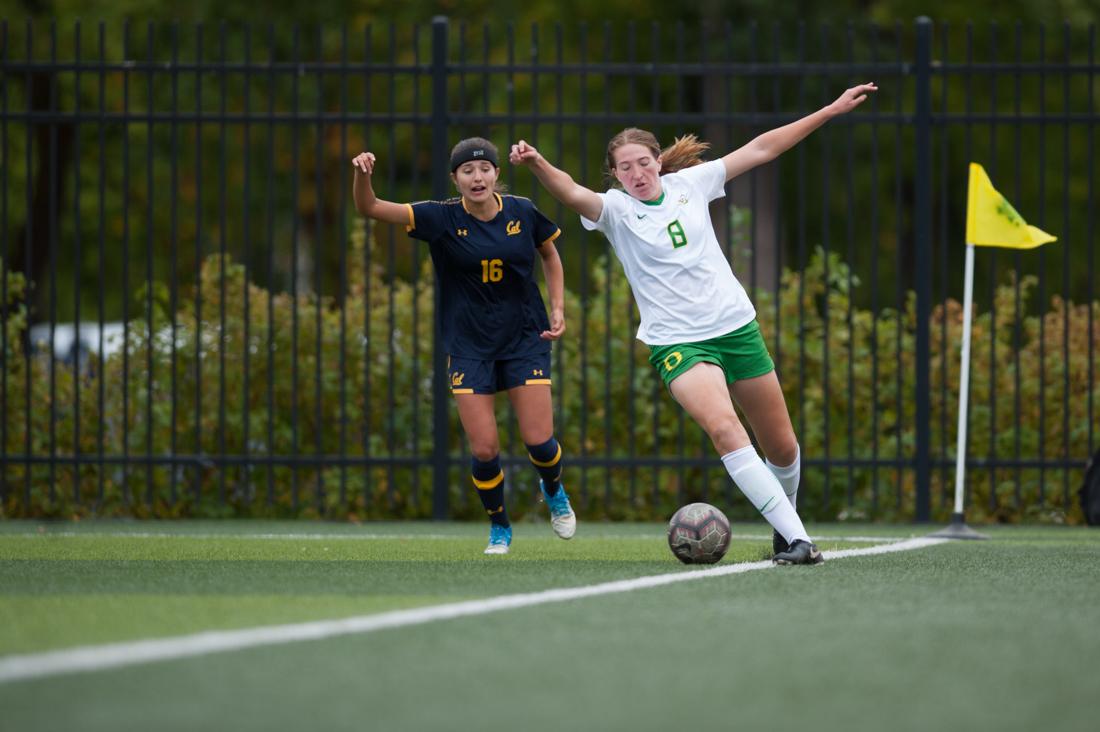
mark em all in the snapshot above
pixel 513 228
pixel 456 378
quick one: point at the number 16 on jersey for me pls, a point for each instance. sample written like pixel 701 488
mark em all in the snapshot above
pixel 492 270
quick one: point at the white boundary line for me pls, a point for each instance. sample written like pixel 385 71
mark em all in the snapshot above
pixel 114 655
pixel 382 536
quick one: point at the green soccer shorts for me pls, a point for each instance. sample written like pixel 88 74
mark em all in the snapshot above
pixel 741 354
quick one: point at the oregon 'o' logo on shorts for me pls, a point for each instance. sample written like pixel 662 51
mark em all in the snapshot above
pixel 673 360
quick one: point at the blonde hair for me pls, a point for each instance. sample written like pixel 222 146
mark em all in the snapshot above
pixel 684 152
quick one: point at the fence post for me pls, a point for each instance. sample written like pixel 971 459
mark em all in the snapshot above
pixel 440 397
pixel 922 227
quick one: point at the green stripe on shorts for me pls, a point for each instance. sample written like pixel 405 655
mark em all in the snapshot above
pixel 742 354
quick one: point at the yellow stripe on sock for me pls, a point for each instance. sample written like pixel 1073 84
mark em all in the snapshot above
pixel 488 485
pixel 549 464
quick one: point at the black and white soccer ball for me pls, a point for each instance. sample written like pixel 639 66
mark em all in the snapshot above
pixel 699 534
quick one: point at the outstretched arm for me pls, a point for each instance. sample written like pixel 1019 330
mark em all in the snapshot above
pixel 368 204
pixel 773 143
pixel 560 184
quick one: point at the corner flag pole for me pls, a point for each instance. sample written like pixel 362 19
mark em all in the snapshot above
pixel 990 222
pixel 964 382
pixel 958 528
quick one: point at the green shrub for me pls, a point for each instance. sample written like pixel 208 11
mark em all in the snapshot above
pixel 375 400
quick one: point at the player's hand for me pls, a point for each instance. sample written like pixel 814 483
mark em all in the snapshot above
pixel 852 98
pixel 523 154
pixel 363 163
pixel 557 326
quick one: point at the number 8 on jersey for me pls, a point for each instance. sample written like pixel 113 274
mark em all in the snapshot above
pixel 676 232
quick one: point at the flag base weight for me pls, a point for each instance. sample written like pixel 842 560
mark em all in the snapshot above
pixel 958 530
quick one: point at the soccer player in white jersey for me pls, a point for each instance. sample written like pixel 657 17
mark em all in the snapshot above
pixel 695 316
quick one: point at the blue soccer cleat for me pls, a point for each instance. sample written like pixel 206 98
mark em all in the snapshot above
pixel 500 539
pixel 562 518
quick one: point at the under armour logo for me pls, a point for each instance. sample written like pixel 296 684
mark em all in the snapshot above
pixel 537 372
pixel 463 232
pixel 512 228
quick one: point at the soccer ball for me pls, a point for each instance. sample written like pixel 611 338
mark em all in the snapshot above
pixel 699 534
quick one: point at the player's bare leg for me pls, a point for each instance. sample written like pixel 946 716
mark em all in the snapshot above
pixel 702 392
pixel 761 401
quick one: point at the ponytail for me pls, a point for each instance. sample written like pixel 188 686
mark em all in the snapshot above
pixel 684 152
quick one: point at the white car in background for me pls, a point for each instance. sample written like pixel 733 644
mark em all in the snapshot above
pixel 71 342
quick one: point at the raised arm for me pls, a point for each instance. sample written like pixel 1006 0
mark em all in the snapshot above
pixel 773 143
pixel 368 204
pixel 560 184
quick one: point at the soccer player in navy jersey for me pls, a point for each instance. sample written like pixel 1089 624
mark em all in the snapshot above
pixel 495 326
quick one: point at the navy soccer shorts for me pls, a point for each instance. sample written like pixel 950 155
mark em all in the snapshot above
pixel 475 376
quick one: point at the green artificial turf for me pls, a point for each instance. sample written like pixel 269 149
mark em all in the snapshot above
pixel 987 635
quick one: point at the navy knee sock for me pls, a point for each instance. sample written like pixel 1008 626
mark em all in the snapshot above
pixel 489 480
pixel 547 460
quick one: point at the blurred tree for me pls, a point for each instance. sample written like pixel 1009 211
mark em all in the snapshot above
pixel 723 24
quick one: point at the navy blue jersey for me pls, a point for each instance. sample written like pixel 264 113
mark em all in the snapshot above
pixel 491 305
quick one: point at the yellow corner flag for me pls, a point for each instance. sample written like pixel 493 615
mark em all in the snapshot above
pixel 992 222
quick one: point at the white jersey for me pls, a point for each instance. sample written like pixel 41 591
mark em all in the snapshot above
pixel 681 280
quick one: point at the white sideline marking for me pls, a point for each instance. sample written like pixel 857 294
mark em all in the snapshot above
pixel 819 538
pixel 382 537
pixel 114 655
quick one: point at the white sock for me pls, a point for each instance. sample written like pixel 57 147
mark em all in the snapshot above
pixel 788 476
pixel 764 492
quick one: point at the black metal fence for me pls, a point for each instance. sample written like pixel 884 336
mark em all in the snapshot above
pixel 177 198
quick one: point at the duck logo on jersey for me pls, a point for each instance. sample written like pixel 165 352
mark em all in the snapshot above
pixel 463 232
pixel 456 378
pixel 513 228
pixel 683 199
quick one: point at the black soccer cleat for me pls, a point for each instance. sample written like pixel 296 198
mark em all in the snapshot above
pixel 800 552
pixel 779 544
